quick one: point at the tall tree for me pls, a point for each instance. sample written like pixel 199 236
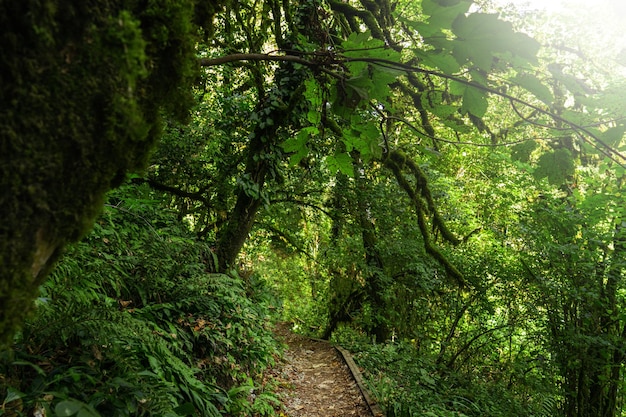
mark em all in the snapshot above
pixel 339 72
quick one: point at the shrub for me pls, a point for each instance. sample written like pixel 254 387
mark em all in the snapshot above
pixel 131 324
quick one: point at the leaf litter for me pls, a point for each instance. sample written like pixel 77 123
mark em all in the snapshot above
pixel 314 381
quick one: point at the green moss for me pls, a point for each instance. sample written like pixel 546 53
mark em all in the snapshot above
pixel 82 87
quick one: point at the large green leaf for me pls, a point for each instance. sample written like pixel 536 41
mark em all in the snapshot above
pixel 87 412
pixel 369 81
pixel 438 60
pixel 556 166
pixel 521 152
pixel 614 135
pixel 443 12
pixel 424 29
pixel 312 93
pixel 361 84
pixel 535 86
pixel 480 37
pixel 457 88
pixel 474 101
pixel 295 143
pixel 339 162
pixel 381 78
pixel 298 144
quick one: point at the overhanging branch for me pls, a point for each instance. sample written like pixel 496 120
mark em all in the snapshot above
pixel 212 62
pixel 326 59
pixel 604 148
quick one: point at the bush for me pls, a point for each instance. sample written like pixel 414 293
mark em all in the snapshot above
pixel 131 324
pixel 408 383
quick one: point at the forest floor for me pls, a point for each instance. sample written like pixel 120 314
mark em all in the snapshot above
pixel 315 381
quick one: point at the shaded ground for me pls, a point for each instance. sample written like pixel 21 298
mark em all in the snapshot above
pixel 315 381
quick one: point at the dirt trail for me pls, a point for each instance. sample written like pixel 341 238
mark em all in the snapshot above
pixel 315 381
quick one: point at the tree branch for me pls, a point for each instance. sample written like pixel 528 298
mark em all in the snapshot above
pixel 602 147
pixel 365 15
pixel 302 203
pixel 211 62
pixel 420 210
pixel 196 196
pixel 605 149
pixel 471 341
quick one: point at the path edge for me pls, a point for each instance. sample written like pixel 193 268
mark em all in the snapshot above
pixel 360 381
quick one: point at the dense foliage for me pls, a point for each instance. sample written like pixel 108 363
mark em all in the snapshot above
pixel 457 197
pixel 131 324
pixel 416 180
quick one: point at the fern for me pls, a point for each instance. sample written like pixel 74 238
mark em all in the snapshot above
pixel 130 324
pixel 548 406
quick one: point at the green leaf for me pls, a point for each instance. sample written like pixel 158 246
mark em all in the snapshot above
pixel 299 141
pixel 442 110
pixel 364 138
pixel 312 93
pixel 87 412
pixel 535 86
pixel 298 156
pixel 457 88
pixel 37 368
pixel 12 395
pixel 361 85
pixel 68 408
pixel 340 162
pixel 614 135
pixel 474 102
pixel 357 40
pixel 435 59
pixel 556 166
pixel 424 29
pixel 479 77
pixel 481 37
pixel 384 76
pixel 314 116
pixel 362 45
pixel 443 12
pixel 521 152
pixel 433 99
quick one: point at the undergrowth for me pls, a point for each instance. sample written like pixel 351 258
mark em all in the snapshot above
pixel 131 324
pixel 408 383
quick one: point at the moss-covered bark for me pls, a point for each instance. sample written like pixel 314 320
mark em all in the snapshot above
pixel 82 87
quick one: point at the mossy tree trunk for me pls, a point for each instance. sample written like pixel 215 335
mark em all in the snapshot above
pixel 83 86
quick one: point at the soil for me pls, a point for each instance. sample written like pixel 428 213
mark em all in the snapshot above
pixel 315 381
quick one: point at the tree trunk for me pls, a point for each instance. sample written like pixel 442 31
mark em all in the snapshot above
pixel 78 110
pixel 263 155
pixel 373 260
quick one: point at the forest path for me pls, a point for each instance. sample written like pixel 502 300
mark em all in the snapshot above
pixel 315 381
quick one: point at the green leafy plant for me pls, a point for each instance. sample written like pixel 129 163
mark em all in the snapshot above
pixel 132 324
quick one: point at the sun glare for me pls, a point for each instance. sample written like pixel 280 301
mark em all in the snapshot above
pixel 596 25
